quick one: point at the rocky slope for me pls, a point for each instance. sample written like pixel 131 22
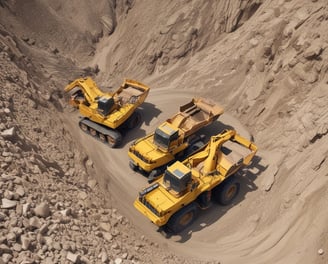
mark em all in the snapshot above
pixel 265 62
pixel 52 208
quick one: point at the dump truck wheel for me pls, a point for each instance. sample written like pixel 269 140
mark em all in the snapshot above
pixel 154 174
pixel 183 218
pixel 133 166
pixel 226 191
pixel 134 120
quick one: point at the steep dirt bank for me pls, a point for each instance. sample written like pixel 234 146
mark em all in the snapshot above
pixel 265 62
pixel 53 209
pixel 272 74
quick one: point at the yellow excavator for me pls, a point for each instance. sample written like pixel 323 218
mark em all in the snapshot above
pixel 173 201
pixel 105 114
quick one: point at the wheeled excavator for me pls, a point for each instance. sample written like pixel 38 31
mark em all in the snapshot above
pixel 106 114
pixel 173 201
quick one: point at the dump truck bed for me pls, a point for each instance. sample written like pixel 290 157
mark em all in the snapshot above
pixel 195 115
pixel 131 92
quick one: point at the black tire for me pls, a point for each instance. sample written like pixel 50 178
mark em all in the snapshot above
pixel 114 139
pixel 227 191
pixel 133 166
pixel 154 174
pixel 183 218
pixel 134 120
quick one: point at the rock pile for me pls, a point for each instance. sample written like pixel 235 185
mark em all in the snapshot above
pixel 51 210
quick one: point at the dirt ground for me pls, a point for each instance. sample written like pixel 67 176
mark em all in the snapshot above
pixel 67 198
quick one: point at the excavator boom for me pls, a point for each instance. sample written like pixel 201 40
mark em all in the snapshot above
pixel 213 150
pixel 88 87
pixel 223 152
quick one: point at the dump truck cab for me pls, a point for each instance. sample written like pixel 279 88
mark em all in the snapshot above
pixel 166 194
pixel 166 137
pixel 176 178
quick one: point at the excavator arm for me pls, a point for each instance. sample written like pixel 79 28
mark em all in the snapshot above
pixel 224 153
pixel 214 145
pixel 88 87
pixel 248 144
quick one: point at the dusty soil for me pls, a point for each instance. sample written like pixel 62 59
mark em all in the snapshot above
pixel 67 198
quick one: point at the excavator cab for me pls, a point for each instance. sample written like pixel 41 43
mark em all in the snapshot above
pixel 165 136
pixel 105 105
pixel 177 178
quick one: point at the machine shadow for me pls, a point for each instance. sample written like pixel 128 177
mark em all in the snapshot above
pixel 148 111
pixel 216 128
pixel 246 177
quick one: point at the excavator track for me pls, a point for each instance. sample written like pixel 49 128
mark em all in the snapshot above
pixel 106 135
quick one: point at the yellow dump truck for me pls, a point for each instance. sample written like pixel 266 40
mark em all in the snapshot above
pixel 172 202
pixel 105 114
pixel 175 139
